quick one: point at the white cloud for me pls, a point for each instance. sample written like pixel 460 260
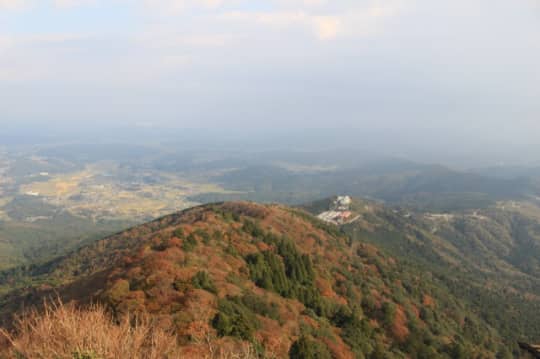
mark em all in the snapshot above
pixel 5 42
pixel 174 62
pixel 356 22
pixel 13 4
pixel 179 6
pixel 27 4
pixel 323 27
pixel 66 4
pixel 64 58
pixel 315 2
pixel 169 37
pixel 181 40
pixel 19 54
pixel 325 20
pixel 300 3
pixel 327 27
pixel 52 38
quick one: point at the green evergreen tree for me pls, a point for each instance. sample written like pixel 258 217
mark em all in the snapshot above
pixel 305 348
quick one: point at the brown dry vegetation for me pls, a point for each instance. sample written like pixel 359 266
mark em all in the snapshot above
pixel 187 270
pixel 63 331
pixel 66 332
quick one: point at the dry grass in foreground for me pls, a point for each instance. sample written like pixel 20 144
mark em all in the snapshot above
pixel 65 332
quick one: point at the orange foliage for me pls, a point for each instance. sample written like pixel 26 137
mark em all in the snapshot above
pixel 309 242
pixel 339 349
pixel 399 328
pixel 416 311
pixel 428 301
pixel 175 242
pixel 374 323
pixel 261 246
pixel 156 277
pixel 325 287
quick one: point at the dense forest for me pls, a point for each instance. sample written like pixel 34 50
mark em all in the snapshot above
pixel 487 257
pixel 270 277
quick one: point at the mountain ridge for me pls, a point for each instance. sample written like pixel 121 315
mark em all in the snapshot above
pixel 488 257
pixel 270 276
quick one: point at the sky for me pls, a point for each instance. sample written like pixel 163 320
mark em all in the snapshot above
pixel 418 71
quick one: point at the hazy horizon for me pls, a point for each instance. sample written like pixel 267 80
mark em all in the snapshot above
pixel 453 81
pixel 269 179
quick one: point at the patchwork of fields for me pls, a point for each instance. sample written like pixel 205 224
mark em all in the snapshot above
pixel 100 192
pixel 50 206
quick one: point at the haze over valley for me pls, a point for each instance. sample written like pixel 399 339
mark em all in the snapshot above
pixel 272 179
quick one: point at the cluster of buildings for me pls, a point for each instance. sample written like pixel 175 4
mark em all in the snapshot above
pixel 339 211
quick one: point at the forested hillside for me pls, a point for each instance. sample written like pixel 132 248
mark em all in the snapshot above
pixel 270 277
pixel 489 258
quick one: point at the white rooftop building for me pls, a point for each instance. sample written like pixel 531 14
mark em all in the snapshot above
pixel 342 203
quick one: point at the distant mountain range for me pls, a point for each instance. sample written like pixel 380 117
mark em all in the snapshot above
pixel 397 182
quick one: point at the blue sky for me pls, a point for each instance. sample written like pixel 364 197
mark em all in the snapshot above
pixel 417 67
